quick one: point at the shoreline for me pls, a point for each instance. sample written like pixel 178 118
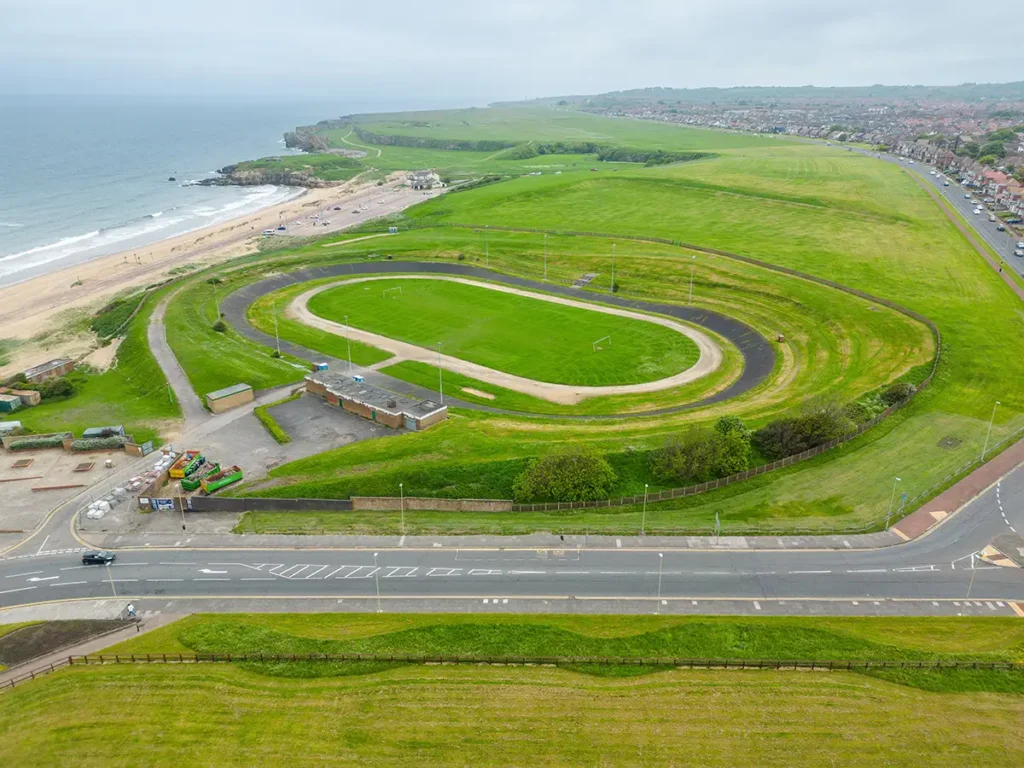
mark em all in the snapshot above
pixel 34 306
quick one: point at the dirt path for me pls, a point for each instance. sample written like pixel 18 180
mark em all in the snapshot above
pixel 710 353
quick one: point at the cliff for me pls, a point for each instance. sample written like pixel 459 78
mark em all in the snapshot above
pixel 243 175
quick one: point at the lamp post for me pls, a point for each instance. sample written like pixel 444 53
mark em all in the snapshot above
pixel 988 434
pixel 376 580
pixel 661 560
pixel 277 336
pixel 440 378
pixel 692 260
pixel 348 342
pixel 643 518
pixel 401 492
pixel 892 496
pixel 611 288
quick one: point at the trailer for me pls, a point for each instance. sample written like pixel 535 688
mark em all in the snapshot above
pixel 193 481
pixel 219 480
pixel 185 464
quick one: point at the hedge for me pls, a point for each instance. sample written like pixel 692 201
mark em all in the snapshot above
pixel 98 443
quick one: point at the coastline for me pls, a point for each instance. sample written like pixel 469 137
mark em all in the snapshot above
pixel 34 306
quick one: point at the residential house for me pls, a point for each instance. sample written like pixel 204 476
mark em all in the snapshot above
pixel 424 180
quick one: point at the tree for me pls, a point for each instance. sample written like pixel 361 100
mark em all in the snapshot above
pixel 820 421
pixel 56 388
pixel 573 473
pixel 701 454
pixel 993 148
pixel 988 160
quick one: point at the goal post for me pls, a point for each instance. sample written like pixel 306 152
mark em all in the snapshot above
pixel 386 291
pixel 597 344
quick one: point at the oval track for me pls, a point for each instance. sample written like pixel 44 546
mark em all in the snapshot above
pixel 757 351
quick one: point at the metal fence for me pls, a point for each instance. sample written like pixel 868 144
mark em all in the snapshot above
pixel 511 660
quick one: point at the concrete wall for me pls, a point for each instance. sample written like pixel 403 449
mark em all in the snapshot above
pixel 416 503
pixel 432 419
pixel 231 401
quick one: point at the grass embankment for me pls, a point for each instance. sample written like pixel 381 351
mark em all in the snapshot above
pixel 618 715
pixel 325 167
pixel 262 413
pixel 524 336
pixel 134 392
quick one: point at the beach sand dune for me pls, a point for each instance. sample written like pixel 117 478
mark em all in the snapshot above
pixel 32 307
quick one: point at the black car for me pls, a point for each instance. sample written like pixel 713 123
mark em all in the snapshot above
pixel 98 557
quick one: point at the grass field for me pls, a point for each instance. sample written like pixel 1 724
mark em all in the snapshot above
pixel 387 714
pixel 527 337
pixel 326 166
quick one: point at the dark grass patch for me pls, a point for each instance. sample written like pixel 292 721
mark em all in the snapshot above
pixel 40 639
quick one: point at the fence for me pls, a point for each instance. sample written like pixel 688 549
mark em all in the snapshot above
pixel 558 661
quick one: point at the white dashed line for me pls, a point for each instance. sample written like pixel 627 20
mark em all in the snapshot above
pixel 28 573
pixel 69 584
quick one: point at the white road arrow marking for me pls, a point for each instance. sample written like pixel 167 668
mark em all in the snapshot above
pixel 43 578
pixel 207 570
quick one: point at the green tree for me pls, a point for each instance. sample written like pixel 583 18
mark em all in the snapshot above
pixel 988 160
pixel 993 148
pixel 701 454
pixel 573 473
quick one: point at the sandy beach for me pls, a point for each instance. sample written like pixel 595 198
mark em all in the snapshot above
pixel 39 305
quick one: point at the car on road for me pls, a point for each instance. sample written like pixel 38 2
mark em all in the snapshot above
pixel 945 183
pixel 1019 253
pixel 1021 245
pixel 1000 228
pixel 97 557
pixel 967 196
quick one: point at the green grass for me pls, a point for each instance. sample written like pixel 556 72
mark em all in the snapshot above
pixel 524 336
pixel 213 360
pixel 326 167
pixel 262 413
pixel 133 393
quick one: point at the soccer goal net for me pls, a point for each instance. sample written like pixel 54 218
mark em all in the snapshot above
pixel 600 343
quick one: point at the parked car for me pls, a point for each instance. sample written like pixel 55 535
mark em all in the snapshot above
pixel 97 557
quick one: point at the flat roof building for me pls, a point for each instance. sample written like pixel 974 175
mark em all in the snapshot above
pixel 373 403
pixel 50 370
pixel 229 397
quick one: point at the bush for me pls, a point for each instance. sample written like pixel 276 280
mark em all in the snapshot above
pixel 821 421
pixel 98 443
pixel 56 388
pixel 574 473
pixel 898 392
pixel 220 326
pixel 31 443
pixel 703 454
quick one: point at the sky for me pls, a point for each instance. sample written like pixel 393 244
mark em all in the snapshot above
pixel 457 53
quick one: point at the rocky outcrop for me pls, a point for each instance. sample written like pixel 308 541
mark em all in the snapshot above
pixel 305 139
pixel 242 176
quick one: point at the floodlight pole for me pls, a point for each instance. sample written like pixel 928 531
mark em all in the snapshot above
pixel 401 492
pixel 988 434
pixel 440 377
pixel 692 260
pixel 643 518
pixel 277 336
pixel 348 342
pixel 661 560
pixel 892 496
pixel 545 258
pixel 611 288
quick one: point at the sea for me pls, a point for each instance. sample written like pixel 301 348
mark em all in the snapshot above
pixel 86 176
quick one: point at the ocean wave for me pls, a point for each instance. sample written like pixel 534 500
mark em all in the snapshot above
pixel 11 224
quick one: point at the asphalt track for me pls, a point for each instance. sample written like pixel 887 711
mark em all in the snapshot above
pixel 758 353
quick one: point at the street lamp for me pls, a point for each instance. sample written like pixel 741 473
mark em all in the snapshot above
pixel 988 434
pixel 401 491
pixel 611 288
pixel 348 341
pixel 277 336
pixel 643 518
pixel 892 496
pixel 440 378
pixel 376 580
pixel 692 260
pixel 661 560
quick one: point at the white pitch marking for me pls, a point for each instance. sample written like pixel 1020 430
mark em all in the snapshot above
pixel 27 573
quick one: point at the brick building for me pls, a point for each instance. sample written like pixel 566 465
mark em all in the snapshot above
pixel 373 403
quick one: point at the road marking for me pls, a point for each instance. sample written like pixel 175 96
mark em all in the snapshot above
pixel 186 563
pixel 117 581
pixel 209 579
pixel 526 573
pixel 164 580
pixel 21 589
pixel 43 544
pixel 809 572
pixel 757 606
pixel 935 604
pixel 340 567
pixel 989 606
pixel 43 578
pixel 314 573
pixel 207 570
pixel 855 602
pixel 258 578
pixel 1017 609
pixel 618 543
pixel 572 573
pixel 846 544
pixel 484 572
pixel 68 584
pixel 870 570
pixel 27 573
pixel 447 572
pixel 405 572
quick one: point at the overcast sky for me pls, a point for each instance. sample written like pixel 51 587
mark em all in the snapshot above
pixel 457 52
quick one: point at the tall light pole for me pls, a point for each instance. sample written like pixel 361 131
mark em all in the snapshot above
pixel 988 434
pixel 376 580
pixel 643 518
pixel 661 559
pixel 440 377
pixel 545 258
pixel 611 288
pixel 348 342
pixel 692 260
pixel 277 336
pixel 401 492
pixel 892 496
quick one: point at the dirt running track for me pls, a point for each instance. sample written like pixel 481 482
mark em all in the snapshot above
pixel 710 353
pixel 758 353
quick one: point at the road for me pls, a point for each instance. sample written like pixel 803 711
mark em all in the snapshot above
pixel 932 575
